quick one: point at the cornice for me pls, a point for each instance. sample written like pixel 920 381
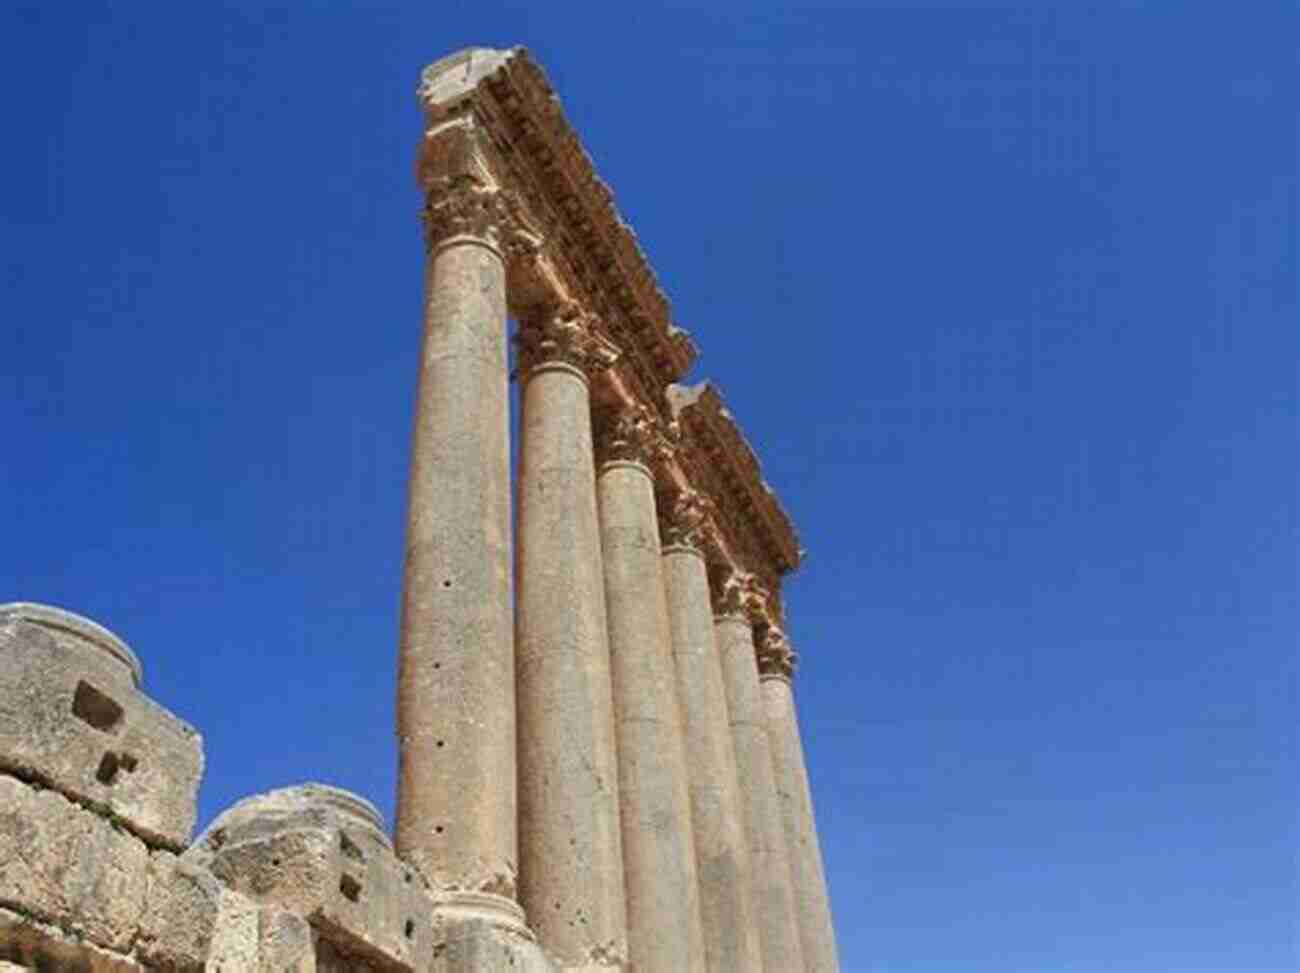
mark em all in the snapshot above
pixel 717 453
pixel 536 150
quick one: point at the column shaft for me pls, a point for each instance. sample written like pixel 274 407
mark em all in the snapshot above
pixel 664 932
pixel 726 890
pixel 571 861
pixel 778 931
pixel 812 904
pixel 456 706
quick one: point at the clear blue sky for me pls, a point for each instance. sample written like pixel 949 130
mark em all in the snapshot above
pixel 1005 296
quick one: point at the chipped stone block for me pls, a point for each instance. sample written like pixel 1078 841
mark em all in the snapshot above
pixel 67 866
pixel 322 853
pixel 192 921
pixel 73 718
pixel 286 943
pixel 26 944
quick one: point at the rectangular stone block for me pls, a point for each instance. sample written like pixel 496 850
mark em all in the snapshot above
pixel 66 866
pixel 30 945
pixel 72 718
pixel 317 852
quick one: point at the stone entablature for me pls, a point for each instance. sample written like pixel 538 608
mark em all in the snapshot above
pixel 500 150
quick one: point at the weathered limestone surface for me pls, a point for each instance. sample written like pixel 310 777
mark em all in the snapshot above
pixel 664 930
pixel 726 892
pixel 322 853
pixel 774 901
pixel 67 866
pixel 72 718
pixel 571 861
pixel 808 877
pixel 456 711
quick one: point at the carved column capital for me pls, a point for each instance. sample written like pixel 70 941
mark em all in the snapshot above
pixel 464 206
pixel 736 594
pixel 565 335
pixel 776 658
pixel 629 433
pixel 686 520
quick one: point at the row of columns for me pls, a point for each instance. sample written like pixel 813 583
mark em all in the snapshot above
pixel 612 759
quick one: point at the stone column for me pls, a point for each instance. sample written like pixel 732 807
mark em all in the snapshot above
pixel 664 932
pixel 722 855
pixel 571 859
pixel 456 814
pixel 735 599
pixel 776 662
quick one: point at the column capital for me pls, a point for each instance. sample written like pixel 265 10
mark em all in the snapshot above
pixel 629 433
pixel 736 594
pixel 686 520
pixel 565 335
pixel 463 206
pixel 776 658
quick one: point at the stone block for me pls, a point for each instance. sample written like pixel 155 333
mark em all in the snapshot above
pixel 478 946
pixel 27 944
pixel 192 921
pixel 73 718
pixel 64 865
pixel 322 853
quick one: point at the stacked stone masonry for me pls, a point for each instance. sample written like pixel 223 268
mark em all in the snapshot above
pixel 599 761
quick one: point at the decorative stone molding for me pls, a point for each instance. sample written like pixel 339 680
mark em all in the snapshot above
pixel 776 658
pixel 567 335
pixel 736 595
pixel 460 206
pixel 627 433
pixel 686 521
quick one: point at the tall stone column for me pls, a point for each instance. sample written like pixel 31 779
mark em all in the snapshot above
pixel 664 931
pixel 776 663
pixel 456 814
pixel 571 860
pixel 722 855
pixel 769 859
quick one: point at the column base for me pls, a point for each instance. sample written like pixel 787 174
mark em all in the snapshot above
pixel 483 933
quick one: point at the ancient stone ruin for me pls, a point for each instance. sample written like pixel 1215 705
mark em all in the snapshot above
pixel 600 763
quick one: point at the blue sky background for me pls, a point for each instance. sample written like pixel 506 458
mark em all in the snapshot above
pixel 1004 296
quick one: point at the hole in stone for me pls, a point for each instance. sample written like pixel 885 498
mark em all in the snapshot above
pixel 93 707
pixel 127 761
pixel 437 665
pixel 107 772
pixel 275 863
pixel 217 839
pixel 350 888
pixel 349 849
pixel 446 584
pixel 441 743
pixel 410 928
pixel 438 829
pixel 408 878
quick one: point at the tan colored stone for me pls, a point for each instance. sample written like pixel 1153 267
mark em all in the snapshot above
pixel 321 853
pixel 571 882
pixel 769 859
pixel 808 877
pixel 29 944
pixel 726 888
pixel 193 921
pixel 72 718
pixel 64 865
pixel 456 811
pixel 664 931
